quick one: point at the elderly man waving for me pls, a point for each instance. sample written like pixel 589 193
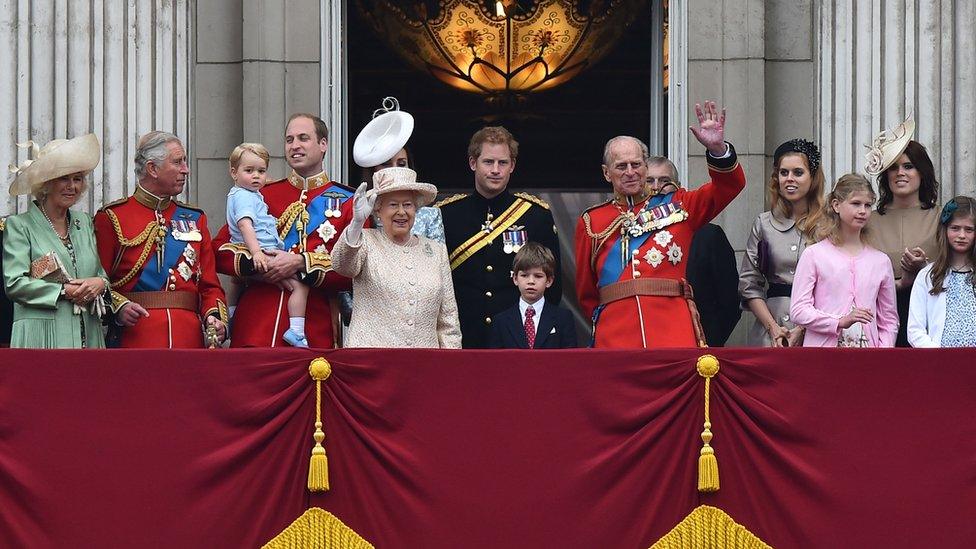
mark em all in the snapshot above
pixel 631 250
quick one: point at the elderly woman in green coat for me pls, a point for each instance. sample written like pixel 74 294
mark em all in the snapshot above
pixel 51 269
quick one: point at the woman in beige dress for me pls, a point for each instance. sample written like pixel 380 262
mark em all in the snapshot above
pixel 402 282
pixel 904 225
pixel 777 239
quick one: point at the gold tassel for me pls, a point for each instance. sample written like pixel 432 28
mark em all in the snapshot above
pixel 707 463
pixel 318 467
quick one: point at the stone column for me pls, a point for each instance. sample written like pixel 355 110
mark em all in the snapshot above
pixel 218 108
pixel 117 69
pixel 881 61
pixel 726 50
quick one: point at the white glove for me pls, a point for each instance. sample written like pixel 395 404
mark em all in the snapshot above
pixel 362 207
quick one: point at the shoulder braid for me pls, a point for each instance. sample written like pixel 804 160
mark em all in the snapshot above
pixel 450 200
pixel 533 199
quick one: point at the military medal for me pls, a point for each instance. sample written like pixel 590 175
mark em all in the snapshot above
pixel 190 254
pixel 664 215
pixel 332 206
pixel 674 254
pixel 486 226
pixel 184 271
pixel 326 231
pixel 514 238
pixel 186 230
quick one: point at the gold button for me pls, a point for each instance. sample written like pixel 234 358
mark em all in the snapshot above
pixel 172 286
pixel 487 320
pixel 487 294
pixel 489 268
pixel 636 274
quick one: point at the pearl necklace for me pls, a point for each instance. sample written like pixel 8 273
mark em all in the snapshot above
pixel 67 225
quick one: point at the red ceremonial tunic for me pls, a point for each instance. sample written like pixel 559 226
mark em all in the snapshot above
pixel 647 321
pixel 128 234
pixel 261 315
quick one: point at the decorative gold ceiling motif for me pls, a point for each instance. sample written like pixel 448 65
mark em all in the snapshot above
pixel 519 47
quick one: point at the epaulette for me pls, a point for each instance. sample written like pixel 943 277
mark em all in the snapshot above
pixel 114 203
pixel 533 199
pixel 595 206
pixel 189 207
pixel 450 199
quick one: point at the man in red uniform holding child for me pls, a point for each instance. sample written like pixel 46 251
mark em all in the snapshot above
pixel 631 251
pixel 311 211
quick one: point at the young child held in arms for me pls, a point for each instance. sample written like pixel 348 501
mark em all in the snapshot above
pixel 843 289
pixel 533 323
pixel 250 223
pixel 944 294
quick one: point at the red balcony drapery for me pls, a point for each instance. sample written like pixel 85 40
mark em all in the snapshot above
pixel 816 448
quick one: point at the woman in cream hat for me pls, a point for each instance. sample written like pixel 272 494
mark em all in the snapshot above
pixel 402 281
pixel 51 269
pixel 904 225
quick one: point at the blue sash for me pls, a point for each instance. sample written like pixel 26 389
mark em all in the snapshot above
pixel 316 215
pixel 611 270
pixel 153 279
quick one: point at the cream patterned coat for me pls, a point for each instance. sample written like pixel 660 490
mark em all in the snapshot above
pixel 404 296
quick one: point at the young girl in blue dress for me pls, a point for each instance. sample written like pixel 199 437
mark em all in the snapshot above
pixel 943 298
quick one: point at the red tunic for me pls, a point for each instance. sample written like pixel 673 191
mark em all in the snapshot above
pixel 261 315
pixel 127 246
pixel 648 321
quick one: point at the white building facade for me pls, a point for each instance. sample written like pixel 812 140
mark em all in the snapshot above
pixel 219 72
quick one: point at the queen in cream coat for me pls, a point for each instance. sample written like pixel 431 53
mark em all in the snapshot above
pixel 402 282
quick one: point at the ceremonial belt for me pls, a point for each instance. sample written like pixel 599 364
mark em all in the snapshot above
pixel 507 218
pixel 180 299
pixel 656 287
pixel 779 290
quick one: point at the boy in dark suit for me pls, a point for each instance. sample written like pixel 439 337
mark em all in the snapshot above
pixel 533 323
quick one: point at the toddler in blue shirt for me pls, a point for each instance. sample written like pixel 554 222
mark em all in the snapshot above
pixel 250 224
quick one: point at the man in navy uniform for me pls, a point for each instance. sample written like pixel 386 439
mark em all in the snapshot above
pixel 484 230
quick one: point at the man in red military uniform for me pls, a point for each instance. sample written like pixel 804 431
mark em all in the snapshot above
pixel 311 211
pixel 631 251
pixel 159 258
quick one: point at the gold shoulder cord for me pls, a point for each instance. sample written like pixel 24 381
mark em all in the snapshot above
pixel 599 239
pixel 143 237
pixel 295 212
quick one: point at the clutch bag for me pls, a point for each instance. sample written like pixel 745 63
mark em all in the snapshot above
pixel 49 267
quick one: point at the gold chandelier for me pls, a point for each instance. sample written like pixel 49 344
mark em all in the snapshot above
pixel 502 47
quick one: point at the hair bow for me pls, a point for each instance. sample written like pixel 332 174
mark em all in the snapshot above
pixel 947 211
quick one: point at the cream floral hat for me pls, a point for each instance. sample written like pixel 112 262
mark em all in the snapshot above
pixel 888 146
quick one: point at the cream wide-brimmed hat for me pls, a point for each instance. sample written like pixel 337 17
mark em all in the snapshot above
pixel 888 146
pixel 384 136
pixel 391 180
pixel 58 158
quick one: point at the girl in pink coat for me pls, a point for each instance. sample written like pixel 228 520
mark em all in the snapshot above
pixel 843 289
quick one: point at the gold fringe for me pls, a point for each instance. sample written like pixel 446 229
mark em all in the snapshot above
pixel 709 528
pixel 318 529
pixel 707 367
pixel 318 467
